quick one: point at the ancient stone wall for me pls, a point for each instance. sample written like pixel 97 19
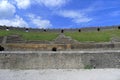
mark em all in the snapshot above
pixel 102 45
pixel 59 60
pixel 60 47
pixel 36 47
pixel 59 30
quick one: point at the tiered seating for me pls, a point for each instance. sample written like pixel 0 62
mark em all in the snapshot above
pixel 38 42
pixel 62 39
pixel 14 39
pixel 1 38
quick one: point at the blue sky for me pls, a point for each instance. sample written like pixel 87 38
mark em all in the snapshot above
pixel 59 13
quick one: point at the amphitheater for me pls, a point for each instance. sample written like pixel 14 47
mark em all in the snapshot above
pixel 69 54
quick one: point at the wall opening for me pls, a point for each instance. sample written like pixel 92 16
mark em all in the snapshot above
pixel 119 27
pixel 62 31
pixel 1 48
pixel 79 30
pixel 54 49
pixel 98 29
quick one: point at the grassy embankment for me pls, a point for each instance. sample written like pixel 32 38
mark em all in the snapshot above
pixel 31 35
pixel 102 36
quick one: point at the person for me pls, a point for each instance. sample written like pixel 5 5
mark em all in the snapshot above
pixel 1 48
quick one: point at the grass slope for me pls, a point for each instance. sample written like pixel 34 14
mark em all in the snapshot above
pixel 31 35
pixel 102 36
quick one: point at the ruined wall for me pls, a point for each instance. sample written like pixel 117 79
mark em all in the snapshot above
pixel 102 45
pixel 60 47
pixel 36 47
pixel 90 28
pixel 59 60
pixel 39 60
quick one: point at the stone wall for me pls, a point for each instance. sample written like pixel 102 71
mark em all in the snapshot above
pixel 101 45
pixel 60 47
pixel 36 47
pixel 59 60
pixel 90 28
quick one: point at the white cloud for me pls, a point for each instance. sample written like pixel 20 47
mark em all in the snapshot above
pixel 39 22
pixel 7 10
pixel 17 21
pixel 23 4
pixel 52 3
pixel 7 15
pixel 76 16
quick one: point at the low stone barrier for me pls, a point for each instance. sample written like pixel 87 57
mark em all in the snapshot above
pixel 104 45
pixel 37 47
pixel 59 60
pixel 60 47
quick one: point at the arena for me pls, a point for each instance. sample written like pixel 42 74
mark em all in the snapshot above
pixel 60 55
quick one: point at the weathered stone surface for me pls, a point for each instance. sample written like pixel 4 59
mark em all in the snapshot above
pixel 62 39
pixel 59 60
pixel 1 39
pixel 14 39
pixel 104 45
pixel 115 39
pixel 38 47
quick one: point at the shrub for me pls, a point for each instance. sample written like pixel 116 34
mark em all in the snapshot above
pixel 88 67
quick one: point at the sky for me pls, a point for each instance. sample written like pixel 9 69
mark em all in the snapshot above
pixel 59 13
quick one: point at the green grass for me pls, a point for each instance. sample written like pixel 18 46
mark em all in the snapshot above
pixel 5 33
pixel 88 67
pixel 102 36
pixel 39 36
pixel 31 35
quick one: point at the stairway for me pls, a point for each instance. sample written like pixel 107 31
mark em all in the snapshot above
pixel 62 39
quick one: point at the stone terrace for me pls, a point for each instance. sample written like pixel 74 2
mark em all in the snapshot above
pixel 14 39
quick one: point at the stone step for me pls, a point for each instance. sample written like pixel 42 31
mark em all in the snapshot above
pixel 62 39
pixel 1 39
pixel 14 39
pixel 38 42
